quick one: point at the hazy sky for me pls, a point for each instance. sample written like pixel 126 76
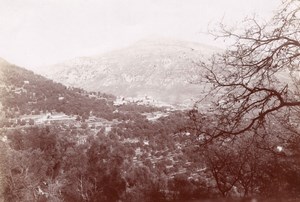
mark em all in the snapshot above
pixel 39 32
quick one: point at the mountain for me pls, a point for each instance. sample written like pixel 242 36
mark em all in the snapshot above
pixel 160 69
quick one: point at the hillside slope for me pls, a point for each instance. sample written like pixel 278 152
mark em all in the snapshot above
pixel 23 92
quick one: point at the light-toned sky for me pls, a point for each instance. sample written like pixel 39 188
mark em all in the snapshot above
pixel 34 33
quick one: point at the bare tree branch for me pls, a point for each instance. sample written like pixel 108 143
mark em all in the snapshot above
pixel 258 75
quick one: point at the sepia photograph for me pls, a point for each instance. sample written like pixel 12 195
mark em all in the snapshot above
pixel 149 101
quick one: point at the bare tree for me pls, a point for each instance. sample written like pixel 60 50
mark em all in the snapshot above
pixel 258 76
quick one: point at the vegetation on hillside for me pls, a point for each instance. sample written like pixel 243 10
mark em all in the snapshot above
pixel 246 146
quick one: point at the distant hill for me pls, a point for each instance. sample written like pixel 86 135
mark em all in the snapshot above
pixel 160 68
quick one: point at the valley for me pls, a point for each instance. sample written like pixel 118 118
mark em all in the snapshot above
pixel 128 126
